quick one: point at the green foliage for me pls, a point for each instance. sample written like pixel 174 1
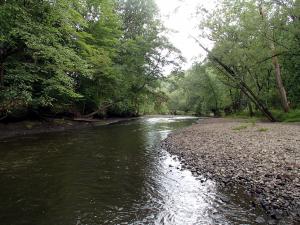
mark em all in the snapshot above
pixel 292 116
pixel 198 91
pixel 38 62
pixel 248 36
pixel 106 57
pixel 74 56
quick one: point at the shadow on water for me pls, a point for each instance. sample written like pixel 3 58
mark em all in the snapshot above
pixel 115 174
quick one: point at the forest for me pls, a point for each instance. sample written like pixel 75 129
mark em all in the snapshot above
pixel 149 112
pixel 99 58
pixel 254 66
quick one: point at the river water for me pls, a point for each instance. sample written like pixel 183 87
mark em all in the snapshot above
pixel 114 174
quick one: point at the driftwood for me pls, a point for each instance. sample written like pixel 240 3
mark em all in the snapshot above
pixel 99 110
pixel 85 119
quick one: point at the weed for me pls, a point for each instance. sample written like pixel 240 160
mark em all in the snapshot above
pixel 242 127
pixel 263 129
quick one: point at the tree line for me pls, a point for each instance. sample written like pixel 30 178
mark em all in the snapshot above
pixel 81 58
pixel 95 58
pixel 254 65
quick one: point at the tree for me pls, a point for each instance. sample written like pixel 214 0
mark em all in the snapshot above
pixel 39 61
pixel 275 61
pixel 199 91
pixel 81 57
pixel 243 48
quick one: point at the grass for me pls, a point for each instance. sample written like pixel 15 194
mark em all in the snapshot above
pixel 242 127
pixel 263 129
pixel 292 116
pixel 252 120
pixel 245 115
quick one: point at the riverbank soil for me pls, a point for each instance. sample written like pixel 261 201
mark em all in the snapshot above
pixel 51 125
pixel 262 157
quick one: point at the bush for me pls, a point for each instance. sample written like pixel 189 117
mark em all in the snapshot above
pixel 292 116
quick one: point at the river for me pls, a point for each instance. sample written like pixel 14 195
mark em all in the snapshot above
pixel 115 174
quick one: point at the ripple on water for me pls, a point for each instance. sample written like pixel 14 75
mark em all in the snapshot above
pixel 116 174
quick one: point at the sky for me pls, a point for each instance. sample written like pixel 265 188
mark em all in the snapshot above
pixel 180 16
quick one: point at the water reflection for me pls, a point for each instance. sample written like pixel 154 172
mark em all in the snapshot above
pixel 182 203
pixel 109 175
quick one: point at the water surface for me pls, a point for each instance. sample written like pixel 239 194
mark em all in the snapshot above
pixel 114 174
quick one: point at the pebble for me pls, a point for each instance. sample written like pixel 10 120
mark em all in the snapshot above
pixel 256 160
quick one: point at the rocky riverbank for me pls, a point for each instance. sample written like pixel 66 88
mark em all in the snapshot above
pixel 262 157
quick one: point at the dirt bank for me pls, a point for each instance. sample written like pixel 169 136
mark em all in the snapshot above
pixel 51 125
pixel 262 157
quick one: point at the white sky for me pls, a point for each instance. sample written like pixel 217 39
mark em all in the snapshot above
pixel 180 16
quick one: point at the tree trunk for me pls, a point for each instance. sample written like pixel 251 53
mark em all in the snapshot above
pixel 252 97
pixel 281 89
pixel 251 114
pixel 101 109
pixel 2 74
pixel 232 75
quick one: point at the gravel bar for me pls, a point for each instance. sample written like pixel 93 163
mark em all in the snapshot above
pixel 262 157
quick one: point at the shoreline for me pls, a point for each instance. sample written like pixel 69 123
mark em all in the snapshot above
pixel 263 158
pixel 29 127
